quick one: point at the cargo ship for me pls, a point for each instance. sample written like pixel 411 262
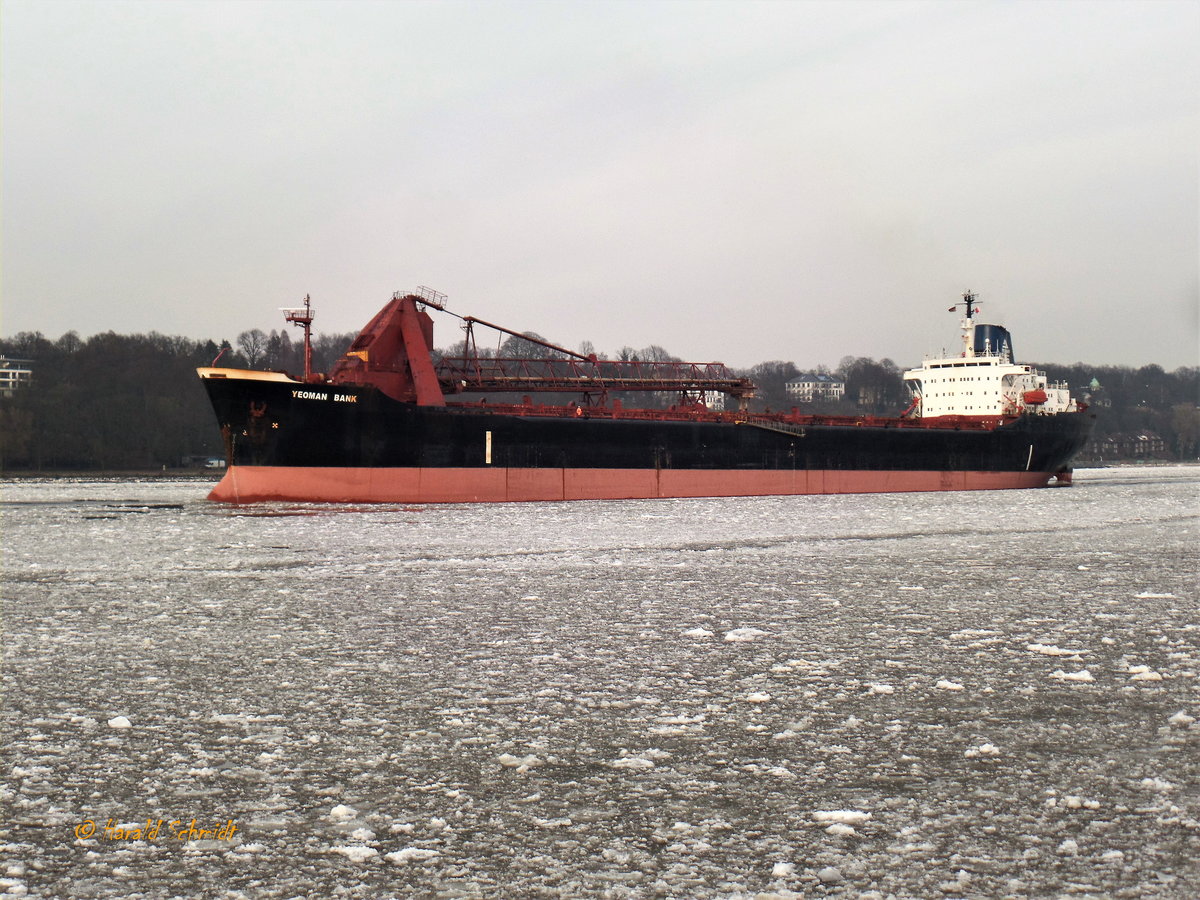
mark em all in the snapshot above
pixel 394 421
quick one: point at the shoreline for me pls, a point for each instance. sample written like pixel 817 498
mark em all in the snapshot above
pixel 207 475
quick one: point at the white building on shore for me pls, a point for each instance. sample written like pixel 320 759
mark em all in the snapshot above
pixel 14 373
pixel 809 387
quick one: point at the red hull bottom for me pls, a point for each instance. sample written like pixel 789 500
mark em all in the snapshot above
pixel 253 484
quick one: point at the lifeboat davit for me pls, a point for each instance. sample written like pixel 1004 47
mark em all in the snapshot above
pixel 1035 398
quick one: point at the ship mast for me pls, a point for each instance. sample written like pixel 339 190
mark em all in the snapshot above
pixel 303 318
pixel 968 303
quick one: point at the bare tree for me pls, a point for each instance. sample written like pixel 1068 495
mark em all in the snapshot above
pixel 655 353
pixel 327 348
pixel 519 348
pixel 279 354
pixel 772 378
pixel 253 345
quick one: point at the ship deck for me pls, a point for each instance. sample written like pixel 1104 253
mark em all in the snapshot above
pixel 786 422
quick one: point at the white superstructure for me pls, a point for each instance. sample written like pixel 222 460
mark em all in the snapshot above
pixel 983 380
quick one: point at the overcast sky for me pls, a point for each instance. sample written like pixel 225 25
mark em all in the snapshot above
pixel 736 181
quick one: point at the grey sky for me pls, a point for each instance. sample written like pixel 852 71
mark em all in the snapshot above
pixel 732 180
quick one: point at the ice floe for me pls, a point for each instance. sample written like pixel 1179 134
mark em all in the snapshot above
pixel 521 763
pixel 745 635
pixel 1143 673
pixel 844 816
pixel 1157 784
pixel 355 852
pixel 1051 650
pixel 986 749
pixel 634 763
pixel 411 855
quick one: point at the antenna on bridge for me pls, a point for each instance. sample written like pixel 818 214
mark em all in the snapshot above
pixel 969 301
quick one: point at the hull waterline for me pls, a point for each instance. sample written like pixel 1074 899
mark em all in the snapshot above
pixel 331 484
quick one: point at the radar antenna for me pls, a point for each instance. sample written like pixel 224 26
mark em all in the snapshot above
pixel 970 303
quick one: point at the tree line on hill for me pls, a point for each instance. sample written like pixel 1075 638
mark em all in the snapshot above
pixel 125 402
pixel 122 402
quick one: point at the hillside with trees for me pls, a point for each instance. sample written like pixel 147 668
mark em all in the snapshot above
pixel 1137 403
pixel 133 402
pixel 123 402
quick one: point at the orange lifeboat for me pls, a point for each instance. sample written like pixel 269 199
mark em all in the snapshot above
pixel 1035 398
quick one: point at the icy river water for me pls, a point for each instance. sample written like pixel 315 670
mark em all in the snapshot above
pixel 925 695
